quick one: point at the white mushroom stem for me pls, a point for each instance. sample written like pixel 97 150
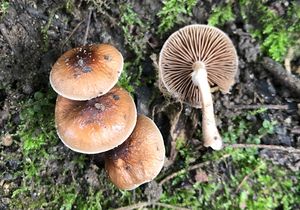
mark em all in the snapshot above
pixel 211 136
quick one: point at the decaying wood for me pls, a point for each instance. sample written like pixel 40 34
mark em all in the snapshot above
pixel 176 131
pixel 284 77
pixel 174 136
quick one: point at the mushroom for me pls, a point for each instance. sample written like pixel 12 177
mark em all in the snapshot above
pixel 86 72
pixel 139 159
pixel 193 59
pixel 96 125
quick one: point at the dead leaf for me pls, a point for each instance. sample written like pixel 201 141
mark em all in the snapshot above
pixel 201 176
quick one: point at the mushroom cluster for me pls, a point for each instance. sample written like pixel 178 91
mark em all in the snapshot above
pixel 94 115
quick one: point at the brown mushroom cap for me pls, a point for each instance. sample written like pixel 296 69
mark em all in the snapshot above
pixel 97 125
pixel 197 43
pixel 86 72
pixel 139 159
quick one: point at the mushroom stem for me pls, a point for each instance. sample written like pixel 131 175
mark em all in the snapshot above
pixel 211 136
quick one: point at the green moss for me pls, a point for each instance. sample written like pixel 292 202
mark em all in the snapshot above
pixel 37 122
pixel 101 6
pixel 221 15
pixel 45 28
pixel 134 29
pixel 38 185
pixel 255 183
pixel 69 6
pixel 125 80
pixel 275 32
pixel 170 13
pixel 135 40
pixel 4 5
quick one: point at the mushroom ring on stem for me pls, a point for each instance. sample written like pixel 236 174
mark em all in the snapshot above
pixel 86 72
pixel 139 159
pixel 97 125
pixel 193 59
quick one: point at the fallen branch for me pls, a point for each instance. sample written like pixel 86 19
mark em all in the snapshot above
pixel 143 204
pixel 258 146
pixel 284 77
pixel 190 168
pixel 135 206
pixel 264 146
pixel 170 206
pixel 258 106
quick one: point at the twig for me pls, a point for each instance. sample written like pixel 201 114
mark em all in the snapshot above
pixel 190 168
pixel 245 178
pixel 87 27
pixel 257 106
pixel 264 146
pixel 258 146
pixel 135 206
pixel 170 206
pixel 289 57
pixel 143 204
pixel 71 34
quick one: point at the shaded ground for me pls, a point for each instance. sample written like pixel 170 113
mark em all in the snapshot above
pixel 35 33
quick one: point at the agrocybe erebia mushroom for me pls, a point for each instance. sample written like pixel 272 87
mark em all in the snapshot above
pixel 86 72
pixel 193 59
pixel 90 115
pixel 139 159
pixel 96 125
pixel 94 115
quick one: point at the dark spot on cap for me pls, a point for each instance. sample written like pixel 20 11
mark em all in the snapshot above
pixel 215 138
pixel 116 97
pixel 107 57
pixel 86 69
pixel 81 58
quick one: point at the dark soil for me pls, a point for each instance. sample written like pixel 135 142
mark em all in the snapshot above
pixel 27 53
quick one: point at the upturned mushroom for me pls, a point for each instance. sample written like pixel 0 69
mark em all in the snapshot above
pixel 192 59
pixel 96 125
pixel 139 159
pixel 86 72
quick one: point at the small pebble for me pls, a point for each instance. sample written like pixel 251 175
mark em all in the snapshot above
pixel 6 140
